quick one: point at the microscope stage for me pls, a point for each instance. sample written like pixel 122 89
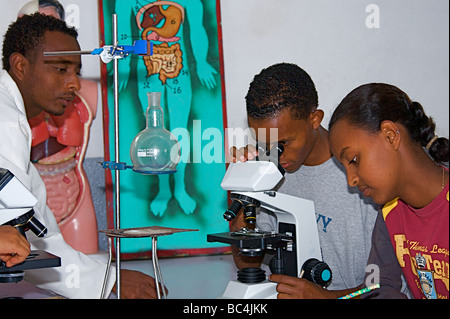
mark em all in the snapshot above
pixel 252 240
pixel 36 259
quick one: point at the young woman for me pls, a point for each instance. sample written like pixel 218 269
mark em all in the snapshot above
pixel 391 153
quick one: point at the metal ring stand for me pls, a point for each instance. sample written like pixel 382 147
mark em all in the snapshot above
pixel 117 175
pixel 157 271
pixel 118 233
pixel 154 232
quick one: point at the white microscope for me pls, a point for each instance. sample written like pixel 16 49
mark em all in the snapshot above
pixel 16 210
pixel 296 240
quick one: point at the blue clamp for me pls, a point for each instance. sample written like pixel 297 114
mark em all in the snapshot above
pixel 109 52
pixel 115 166
pixel 140 47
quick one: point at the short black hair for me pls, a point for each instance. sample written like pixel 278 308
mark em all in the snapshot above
pixel 280 86
pixel 367 106
pixel 25 35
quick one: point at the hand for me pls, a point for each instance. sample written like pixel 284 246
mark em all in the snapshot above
pixel 297 288
pixel 14 248
pixel 137 285
pixel 243 154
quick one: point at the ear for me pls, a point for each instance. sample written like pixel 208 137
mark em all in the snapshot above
pixel 18 65
pixel 391 133
pixel 316 118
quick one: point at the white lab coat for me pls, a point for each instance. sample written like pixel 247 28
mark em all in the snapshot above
pixel 80 276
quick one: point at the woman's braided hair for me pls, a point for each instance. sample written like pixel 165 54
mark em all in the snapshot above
pixel 370 104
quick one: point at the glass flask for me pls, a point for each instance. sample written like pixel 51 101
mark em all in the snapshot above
pixel 155 150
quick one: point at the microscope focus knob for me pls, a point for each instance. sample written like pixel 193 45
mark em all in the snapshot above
pixel 317 271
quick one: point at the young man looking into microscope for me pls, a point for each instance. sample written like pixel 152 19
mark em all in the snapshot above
pixel 284 97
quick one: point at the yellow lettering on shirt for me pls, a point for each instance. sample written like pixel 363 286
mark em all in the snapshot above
pixel 440 268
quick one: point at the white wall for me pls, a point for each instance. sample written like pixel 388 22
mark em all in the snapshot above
pixel 328 38
pixel 331 41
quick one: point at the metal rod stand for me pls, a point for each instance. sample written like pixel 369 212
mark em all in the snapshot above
pixel 157 271
pixel 117 155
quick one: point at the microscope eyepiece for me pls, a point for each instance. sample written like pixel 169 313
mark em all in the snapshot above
pixel 278 150
pixel 270 154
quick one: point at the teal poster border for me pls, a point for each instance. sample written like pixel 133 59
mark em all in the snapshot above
pixel 204 146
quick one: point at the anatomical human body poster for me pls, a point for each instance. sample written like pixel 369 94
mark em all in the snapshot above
pixel 185 68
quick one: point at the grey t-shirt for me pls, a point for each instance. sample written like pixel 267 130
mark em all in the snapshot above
pixel 345 219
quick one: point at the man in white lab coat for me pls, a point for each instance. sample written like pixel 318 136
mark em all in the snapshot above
pixel 29 84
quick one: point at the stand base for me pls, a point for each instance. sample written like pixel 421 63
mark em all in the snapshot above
pixel 239 290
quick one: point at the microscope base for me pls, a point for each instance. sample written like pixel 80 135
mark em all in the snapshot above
pixel 239 290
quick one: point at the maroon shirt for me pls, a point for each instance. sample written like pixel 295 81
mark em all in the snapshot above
pixel 415 243
pixel 420 238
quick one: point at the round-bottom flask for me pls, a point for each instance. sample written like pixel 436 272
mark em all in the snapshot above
pixel 155 150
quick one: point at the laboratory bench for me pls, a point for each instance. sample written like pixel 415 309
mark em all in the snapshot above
pixel 193 277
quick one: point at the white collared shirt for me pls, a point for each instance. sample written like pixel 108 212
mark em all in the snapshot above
pixel 80 276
